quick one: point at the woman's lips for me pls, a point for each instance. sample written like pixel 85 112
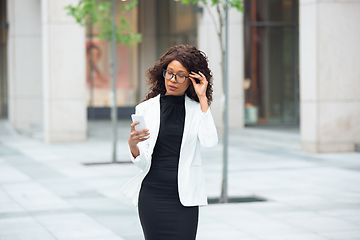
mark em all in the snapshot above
pixel 171 87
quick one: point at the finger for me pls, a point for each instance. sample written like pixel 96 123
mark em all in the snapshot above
pixel 134 124
pixel 135 135
pixel 203 77
pixel 196 75
pixel 193 81
pixel 142 131
pixel 142 137
pixel 142 134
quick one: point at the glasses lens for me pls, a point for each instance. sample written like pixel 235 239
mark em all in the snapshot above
pixel 180 78
pixel 168 75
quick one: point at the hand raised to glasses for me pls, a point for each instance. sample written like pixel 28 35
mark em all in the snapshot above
pixel 200 88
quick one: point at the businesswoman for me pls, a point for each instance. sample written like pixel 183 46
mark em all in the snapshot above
pixel 170 187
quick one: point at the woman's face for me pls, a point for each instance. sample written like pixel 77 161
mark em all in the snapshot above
pixel 172 86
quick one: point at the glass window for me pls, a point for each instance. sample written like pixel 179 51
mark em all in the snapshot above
pixel 274 10
pixel 97 68
pixel 176 24
pixel 271 62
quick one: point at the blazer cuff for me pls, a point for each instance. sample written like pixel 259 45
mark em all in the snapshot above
pixel 139 161
pixel 206 113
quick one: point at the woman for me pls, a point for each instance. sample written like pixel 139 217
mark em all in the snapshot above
pixel 171 186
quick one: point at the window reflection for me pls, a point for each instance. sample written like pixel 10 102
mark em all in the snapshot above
pixel 271 62
pixel 98 68
pixel 176 24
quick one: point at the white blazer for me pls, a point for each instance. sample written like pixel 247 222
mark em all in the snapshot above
pixel 199 129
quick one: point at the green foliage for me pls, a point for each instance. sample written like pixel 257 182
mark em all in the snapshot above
pixel 238 4
pixel 99 12
pixel 130 5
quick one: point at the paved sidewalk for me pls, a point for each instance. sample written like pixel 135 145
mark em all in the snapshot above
pixel 47 193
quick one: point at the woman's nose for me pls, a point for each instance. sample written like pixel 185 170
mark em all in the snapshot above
pixel 173 78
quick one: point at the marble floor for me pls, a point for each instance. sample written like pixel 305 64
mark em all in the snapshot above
pixel 48 192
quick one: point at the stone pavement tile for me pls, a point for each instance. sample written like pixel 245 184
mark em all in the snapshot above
pixel 31 168
pixel 266 163
pixel 286 194
pixel 299 236
pixel 322 205
pixel 270 207
pixel 125 224
pixel 74 226
pixel 340 212
pixel 346 235
pixel 8 206
pixel 66 187
pixel 218 230
pixel 228 213
pixel 99 238
pixel 40 152
pixel 115 194
pixel 354 219
pixel 333 174
pixel 341 157
pixel 104 182
pixel 322 224
pixel 32 196
pixel 124 172
pixel 74 170
pixel 95 203
pixel 137 237
pixel 5 150
pixel 108 170
pixel 11 174
pixel 284 216
pixel 23 228
pixel 239 221
pixel 267 228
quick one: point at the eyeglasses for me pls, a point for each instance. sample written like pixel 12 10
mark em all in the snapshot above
pixel 178 77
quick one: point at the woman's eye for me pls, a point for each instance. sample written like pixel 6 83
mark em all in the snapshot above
pixel 179 75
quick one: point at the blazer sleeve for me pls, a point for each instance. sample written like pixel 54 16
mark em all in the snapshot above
pixel 207 133
pixel 143 160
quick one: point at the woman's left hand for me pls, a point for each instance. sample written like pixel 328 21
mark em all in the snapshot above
pixel 200 88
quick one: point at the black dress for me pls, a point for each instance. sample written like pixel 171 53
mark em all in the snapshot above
pixel 162 216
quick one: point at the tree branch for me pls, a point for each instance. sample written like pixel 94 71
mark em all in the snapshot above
pixel 213 18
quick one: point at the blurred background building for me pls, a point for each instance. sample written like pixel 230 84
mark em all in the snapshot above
pixel 292 63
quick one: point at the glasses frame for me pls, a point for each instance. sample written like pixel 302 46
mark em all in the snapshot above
pixel 172 75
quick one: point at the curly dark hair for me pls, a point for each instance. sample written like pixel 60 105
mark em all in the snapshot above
pixel 192 59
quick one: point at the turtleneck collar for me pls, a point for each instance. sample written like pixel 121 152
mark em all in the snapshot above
pixel 173 99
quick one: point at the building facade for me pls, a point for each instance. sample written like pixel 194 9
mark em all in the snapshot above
pixel 290 63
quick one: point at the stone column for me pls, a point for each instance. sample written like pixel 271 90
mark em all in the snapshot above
pixel 63 73
pixel 329 75
pixel 24 64
pixel 209 43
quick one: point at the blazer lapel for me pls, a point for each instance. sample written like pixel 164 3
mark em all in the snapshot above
pixel 156 118
pixel 188 114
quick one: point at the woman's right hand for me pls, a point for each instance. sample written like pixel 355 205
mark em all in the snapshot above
pixel 137 136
